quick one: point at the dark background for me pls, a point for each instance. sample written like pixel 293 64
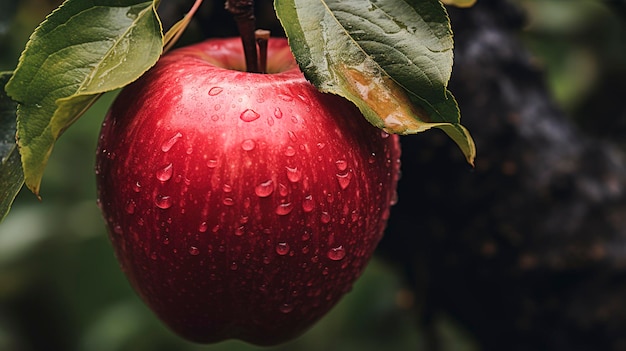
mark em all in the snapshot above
pixel 524 252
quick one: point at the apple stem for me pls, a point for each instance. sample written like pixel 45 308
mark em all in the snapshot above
pixel 243 12
pixel 262 36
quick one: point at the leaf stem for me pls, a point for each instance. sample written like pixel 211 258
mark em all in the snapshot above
pixel 243 12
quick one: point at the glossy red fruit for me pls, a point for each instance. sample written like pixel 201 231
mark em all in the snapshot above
pixel 241 205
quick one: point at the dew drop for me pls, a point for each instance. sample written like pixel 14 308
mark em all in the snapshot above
pixel 211 163
pixel 292 136
pixel 325 218
pixel 194 251
pixel 336 253
pixel 341 165
pixel 137 187
pixel 215 91
pixel 215 117
pixel 248 145
pixel 278 113
pixel 282 248
pixel 384 134
pixel 228 201
pixel 130 207
pixel 227 188
pixel 164 174
pixel 167 145
pixel 203 227
pixel 283 190
pixel 344 179
pixel 286 308
pixel 264 189
pixel 240 230
pixel 290 151
pixel 163 201
pixel 293 174
pixel 372 158
pixel 233 266
pixel 285 97
pixel 321 145
pixel 308 204
pixel 284 209
pixel 394 198
pixel 249 115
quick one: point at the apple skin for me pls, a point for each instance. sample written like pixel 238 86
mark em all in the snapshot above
pixel 241 205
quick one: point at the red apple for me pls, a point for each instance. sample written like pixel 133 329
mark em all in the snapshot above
pixel 241 205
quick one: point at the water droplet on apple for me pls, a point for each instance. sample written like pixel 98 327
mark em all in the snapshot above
pixel 203 227
pixel 215 91
pixel 163 201
pixel 215 228
pixel 394 198
pixel 282 248
pixel 283 190
pixel 137 187
pixel 337 253
pixel 290 151
pixel 292 136
pixel 325 218
pixel 321 145
pixel 248 145
pixel 167 145
pixel 264 189
pixel 284 97
pixel 130 206
pixel 308 204
pixel 293 174
pixel 278 113
pixel 344 179
pixel 285 308
pixel 233 266
pixel 341 165
pixel 306 236
pixel 284 209
pixel 211 163
pixel 227 188
pixel 194 251
pixel 215 117
pixel 117 229
pixel 164 174
pixel 249 115
pixel 372 158
pixel 384 134
pixel 228 201
pixel 240 230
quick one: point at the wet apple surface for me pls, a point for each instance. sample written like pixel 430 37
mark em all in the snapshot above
pixel 241 205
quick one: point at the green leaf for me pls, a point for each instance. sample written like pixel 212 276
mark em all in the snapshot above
pixel 83 49
pixel 11 176
pixel 392 58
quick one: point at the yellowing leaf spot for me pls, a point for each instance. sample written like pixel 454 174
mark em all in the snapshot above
pixel 459 3
pixel 387 100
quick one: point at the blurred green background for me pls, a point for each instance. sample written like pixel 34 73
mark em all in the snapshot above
pixel 61 288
